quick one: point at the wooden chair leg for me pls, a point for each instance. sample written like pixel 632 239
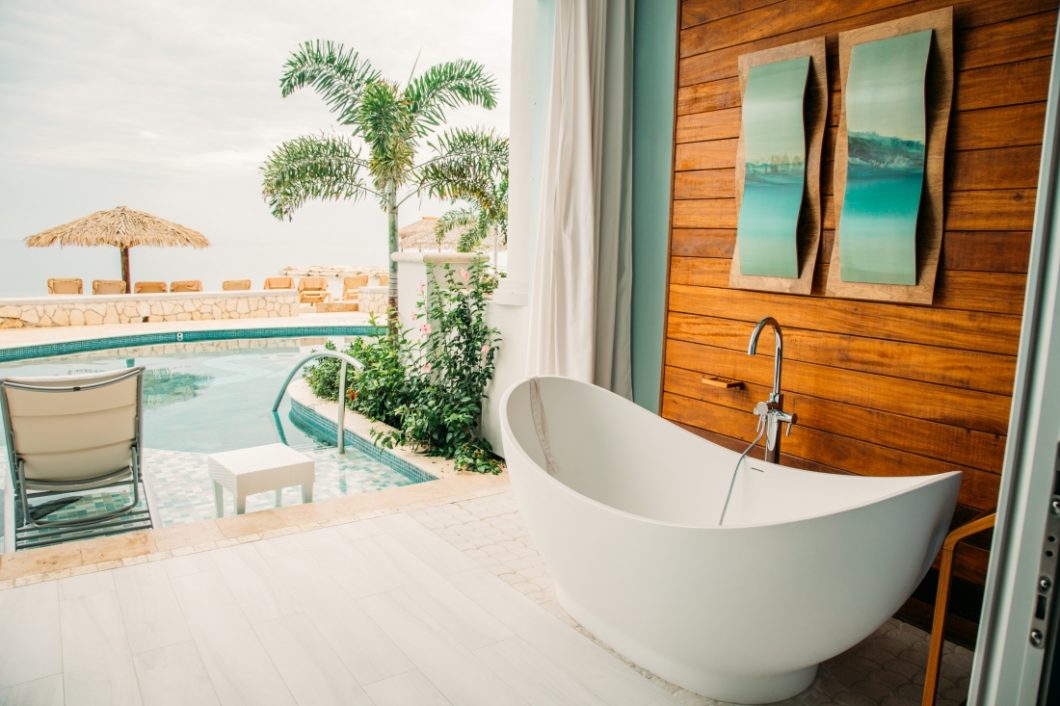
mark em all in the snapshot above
pixel 942 595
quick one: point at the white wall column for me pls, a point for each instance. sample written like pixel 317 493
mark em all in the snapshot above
pixel 531 70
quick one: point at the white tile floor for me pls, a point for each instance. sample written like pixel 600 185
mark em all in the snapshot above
pixel 446 605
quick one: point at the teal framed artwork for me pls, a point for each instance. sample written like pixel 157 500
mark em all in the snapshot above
pixel 774 168
pixel 783 118
pixel 886 138
pixel 897 87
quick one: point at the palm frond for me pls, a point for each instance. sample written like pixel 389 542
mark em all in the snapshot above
pixel 323 167
pixel 473 222
pixel 448 85
pixel 469 165
pixel 453 219
pixel 387 127
pixel 338 74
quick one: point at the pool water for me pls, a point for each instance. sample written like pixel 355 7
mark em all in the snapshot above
pixel 206 397
pixel 202 397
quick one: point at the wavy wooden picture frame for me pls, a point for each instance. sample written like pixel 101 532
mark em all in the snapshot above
pixel 939 96
pixel 815 114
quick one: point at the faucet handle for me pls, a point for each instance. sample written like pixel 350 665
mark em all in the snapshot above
pixel 790 419
pixel 761 410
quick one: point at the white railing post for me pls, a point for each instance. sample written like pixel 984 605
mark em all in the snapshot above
pixel 341 420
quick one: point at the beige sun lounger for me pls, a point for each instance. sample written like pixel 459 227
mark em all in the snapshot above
pixel 70 285
pixel 279 283
pixel 70 435
pixel 108 286
pixel 351 287
pixel 150 288
pixel 312 290
pixel 186 285
pixel 233 285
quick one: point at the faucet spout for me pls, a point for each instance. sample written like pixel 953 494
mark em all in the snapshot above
pixel 778 353
pixel 771 413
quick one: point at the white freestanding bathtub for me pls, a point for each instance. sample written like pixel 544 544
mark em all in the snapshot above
pixel 624 506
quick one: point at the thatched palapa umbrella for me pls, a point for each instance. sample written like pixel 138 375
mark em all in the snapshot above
pixel 122 228
pixel 420 236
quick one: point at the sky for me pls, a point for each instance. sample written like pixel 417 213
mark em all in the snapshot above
pixel 773 110
pixel 171 108
pixel 885 89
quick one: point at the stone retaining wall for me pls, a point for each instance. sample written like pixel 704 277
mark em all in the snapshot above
pixel 373 300
pixel 93 310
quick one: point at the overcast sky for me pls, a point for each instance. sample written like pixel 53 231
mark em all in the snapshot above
pixel 171 107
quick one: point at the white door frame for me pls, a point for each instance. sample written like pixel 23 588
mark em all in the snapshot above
pixel 1007 667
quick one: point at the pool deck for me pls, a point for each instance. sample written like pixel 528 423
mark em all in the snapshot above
pixel 16 338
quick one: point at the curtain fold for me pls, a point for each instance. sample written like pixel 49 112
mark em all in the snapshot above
pixel 582 285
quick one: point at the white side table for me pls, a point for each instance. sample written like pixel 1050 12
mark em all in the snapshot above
pixel 257 469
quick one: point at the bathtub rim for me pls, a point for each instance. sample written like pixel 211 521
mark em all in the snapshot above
pixel 913 482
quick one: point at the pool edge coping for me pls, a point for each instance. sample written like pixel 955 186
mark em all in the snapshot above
pixel 32 351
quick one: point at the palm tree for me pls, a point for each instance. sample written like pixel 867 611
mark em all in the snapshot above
pixel 388 119
pixel 473 166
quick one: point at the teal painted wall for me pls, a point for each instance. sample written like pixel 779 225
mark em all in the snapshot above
pixel 654 51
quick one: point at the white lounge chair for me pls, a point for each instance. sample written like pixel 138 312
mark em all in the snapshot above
pixel 68 436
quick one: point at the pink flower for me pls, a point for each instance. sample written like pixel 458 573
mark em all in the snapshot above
pixel 465 275
pixel 427 368
pixel 485 349
pixel 425 329
pixel 423 286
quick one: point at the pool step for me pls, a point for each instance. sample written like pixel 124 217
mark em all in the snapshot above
pixel 305 447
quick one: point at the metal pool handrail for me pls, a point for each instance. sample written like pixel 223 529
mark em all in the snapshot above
pixel 346 361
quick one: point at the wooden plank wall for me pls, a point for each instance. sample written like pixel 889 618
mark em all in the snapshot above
pixel 879 388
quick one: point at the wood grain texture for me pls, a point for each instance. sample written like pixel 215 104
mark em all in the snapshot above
pixel 980 410
pixel 1007 84
pixel 839 450
pixel 875 384
pixel 696 12
pixel 719 153
pixel 814 114
pixel 1000 209
pixel 1002 126
pixel 958 328
pixel 938 84
pixel 1014 166
pixel 705 184
pixel 975 370
pixel 1023 38
pixel 975 449
pixel 717 59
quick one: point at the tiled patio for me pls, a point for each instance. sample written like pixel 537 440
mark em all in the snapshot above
pixel 444 603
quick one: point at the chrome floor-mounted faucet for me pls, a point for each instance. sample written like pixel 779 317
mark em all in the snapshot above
pixel 770 412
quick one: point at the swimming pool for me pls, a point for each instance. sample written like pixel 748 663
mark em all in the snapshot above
pixel 200 397
pixel 209 396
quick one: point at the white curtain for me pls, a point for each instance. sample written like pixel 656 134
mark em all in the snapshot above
pixel 582 282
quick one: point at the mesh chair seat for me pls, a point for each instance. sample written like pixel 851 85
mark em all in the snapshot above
pixel 70 435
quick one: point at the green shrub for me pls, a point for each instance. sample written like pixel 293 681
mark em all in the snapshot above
pixel 431 391
pixel 323 376
pixel 381 388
